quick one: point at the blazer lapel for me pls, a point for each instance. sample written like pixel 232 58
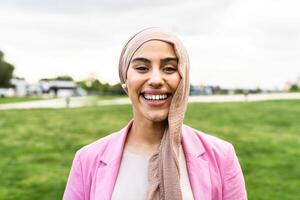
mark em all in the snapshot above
pixel 109 165
pixel 197 165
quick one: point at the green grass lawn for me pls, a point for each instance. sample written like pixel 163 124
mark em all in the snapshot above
pixel 18 99
pixel 37 146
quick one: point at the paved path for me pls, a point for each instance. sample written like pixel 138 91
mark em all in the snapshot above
pixel 90 101
pixel 51 103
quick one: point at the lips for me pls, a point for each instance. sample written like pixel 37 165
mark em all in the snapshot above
pixel 155 98
pixel 155 94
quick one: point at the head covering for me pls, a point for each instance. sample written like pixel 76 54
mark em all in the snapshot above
pixel 164 172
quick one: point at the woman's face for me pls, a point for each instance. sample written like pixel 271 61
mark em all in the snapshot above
pixel 152 79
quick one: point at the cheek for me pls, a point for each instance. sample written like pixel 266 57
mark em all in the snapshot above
pixel 134 85
pixel 131 86
pixel 174 81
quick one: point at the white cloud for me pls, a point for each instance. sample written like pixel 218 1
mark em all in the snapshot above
pixel 231 43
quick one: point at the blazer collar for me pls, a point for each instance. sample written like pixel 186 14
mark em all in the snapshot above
pixel 191 144
pixel 110 161
pixel 115 147
pixel 197 164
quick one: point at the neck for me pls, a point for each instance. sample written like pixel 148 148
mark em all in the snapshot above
pixel 148 131
pixel 145 135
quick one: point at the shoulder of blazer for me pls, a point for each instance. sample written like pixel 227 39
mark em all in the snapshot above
pixel 105 149
pixel 212 146
pixel 96 148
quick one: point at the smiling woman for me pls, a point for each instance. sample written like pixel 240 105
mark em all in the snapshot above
pixel 152 80
pixel 156 156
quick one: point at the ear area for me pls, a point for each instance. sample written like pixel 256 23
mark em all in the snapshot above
pixel 124 86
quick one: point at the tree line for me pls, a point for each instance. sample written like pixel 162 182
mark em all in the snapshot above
pixel 96 87
pixel 92 86
pixel 6 72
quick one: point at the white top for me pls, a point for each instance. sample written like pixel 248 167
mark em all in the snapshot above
pixel 132 180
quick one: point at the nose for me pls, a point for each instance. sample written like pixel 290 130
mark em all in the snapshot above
pixel 156 80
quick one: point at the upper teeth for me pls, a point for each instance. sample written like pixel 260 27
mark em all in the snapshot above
pixel 155 97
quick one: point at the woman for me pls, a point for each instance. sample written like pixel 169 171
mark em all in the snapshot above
pixel 155 156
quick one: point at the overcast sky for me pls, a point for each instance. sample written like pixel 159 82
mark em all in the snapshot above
pixel 231 43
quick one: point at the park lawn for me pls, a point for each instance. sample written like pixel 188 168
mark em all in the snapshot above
pixel 18 99
pixel 37 146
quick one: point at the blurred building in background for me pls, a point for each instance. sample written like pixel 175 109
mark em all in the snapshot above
pixel 47 88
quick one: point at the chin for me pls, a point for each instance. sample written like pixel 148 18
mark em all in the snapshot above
pixel 157 117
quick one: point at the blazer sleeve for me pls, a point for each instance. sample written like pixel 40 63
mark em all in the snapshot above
pixel 75 186
pixel 233 182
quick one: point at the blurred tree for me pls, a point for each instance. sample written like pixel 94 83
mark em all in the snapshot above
pixel 64 78
pixel 294 88
pixel 257 90
pixel 60 78
pixel 19 78
pixel 239 91
pixel 94 86
pixel 117 89
pixel 6 72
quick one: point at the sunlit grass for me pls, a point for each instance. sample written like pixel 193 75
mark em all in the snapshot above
pixel 37 146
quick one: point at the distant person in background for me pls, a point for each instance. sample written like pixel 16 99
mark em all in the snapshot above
pixel 246 93
pixel 67 100
pixel 156 157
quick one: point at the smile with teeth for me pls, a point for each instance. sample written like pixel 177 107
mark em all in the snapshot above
pixel 155 97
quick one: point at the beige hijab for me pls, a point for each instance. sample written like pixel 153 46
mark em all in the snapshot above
pixel 164 172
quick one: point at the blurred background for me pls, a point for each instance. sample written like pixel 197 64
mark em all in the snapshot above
pixel 57 55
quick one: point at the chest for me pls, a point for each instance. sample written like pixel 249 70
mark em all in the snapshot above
pixel 132 179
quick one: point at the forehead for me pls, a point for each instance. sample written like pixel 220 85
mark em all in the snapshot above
pixel 155 49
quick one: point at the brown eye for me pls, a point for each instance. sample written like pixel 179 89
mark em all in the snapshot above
pixel 169 69
pixel 141 68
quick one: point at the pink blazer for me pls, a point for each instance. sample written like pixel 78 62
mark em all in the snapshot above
pixel 213 168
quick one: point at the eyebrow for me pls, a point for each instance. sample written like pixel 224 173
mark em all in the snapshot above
pixel 141 59
pixel 166 59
